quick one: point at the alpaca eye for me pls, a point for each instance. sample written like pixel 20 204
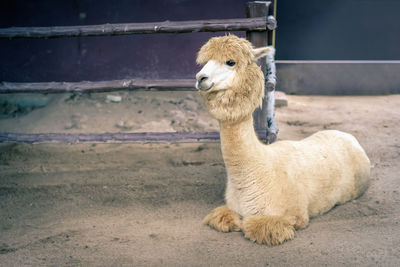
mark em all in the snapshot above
pixel 230 63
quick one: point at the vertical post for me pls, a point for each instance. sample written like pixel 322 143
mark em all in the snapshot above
pixel 258 39
pixel 272 11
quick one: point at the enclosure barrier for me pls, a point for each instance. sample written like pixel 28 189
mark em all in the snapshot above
pixel 99 87
pixel 259 27
pixel 246 24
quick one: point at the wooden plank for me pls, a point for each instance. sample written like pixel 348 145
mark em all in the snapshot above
pixel 241 24
pixel 272 13
pixel 259 39
pixel 72 138
pixel 101 86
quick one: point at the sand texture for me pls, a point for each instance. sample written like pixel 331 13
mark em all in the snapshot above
pixel 129 204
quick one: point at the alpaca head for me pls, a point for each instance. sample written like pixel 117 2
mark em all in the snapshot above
pixel 231 83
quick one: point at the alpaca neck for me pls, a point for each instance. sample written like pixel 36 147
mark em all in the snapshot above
pixel 239 144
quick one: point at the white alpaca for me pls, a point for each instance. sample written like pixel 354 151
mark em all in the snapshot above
pixel 271 189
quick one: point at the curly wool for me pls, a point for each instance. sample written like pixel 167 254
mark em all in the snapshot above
pixel 245 93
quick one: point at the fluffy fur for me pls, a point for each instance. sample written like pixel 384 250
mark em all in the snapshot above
pixel 247 88
pixel 272 190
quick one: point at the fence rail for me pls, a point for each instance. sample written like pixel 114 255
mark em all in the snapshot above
pixel 242 24
pixel 258 25
pixel 73 138
pixel 101 86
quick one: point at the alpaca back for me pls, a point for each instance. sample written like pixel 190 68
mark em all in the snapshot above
pixel 329 168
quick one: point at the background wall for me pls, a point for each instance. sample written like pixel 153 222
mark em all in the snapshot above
pixel 307 30
pixel 338 30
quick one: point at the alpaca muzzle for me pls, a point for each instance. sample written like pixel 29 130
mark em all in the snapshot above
pixel 202 84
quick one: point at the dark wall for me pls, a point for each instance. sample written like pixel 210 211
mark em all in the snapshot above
pixel 312 29
pixel 338 30
pixel 104 58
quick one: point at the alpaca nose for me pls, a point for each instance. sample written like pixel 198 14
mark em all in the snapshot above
pixel 200 80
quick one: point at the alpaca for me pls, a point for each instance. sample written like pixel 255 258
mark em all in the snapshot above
pixel 271 190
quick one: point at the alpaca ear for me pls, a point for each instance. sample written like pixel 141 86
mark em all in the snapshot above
pixel 263 51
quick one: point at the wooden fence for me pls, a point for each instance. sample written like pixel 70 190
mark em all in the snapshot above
pixel 259 26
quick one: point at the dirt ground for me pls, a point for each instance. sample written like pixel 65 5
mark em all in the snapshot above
pixel 142 204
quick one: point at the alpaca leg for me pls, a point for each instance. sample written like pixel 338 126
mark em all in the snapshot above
pixel 269 230
pixel 223 219
pixel 301 222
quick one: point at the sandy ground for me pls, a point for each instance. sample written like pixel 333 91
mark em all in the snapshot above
pixel 142 204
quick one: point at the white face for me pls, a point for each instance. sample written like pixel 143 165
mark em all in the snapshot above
pixel 215 76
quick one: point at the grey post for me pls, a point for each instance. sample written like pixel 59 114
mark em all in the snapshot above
pixel 264 117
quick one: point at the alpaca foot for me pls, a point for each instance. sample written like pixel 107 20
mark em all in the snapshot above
pixel 268 230
pixel 223 219
pixel 301 222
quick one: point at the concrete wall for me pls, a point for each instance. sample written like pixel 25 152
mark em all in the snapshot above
pixel 338 30
pixel 338 77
